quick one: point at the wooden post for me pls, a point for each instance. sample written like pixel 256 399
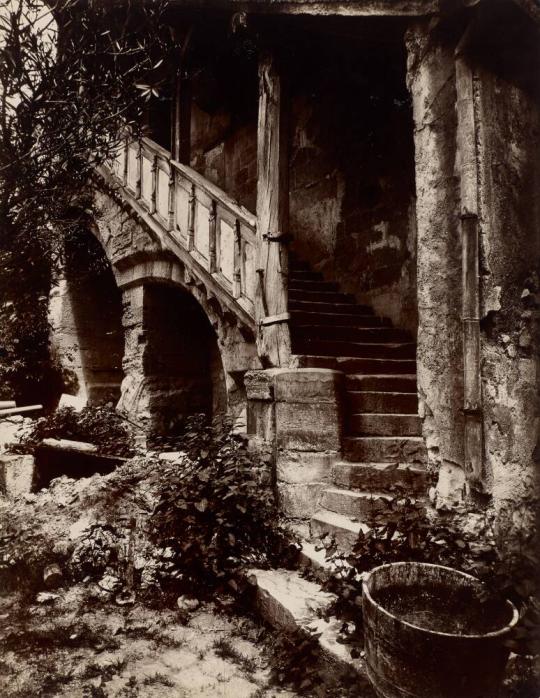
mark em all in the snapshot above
pixel 468 171
pixel 181 128
pixel 273 339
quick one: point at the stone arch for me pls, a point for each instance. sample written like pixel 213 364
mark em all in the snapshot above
pixel 150 274
pixel 86 316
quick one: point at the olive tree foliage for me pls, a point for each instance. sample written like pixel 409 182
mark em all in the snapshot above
pixel 73 74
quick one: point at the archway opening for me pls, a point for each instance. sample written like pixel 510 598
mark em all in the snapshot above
pixel 91 324
pixel 182 362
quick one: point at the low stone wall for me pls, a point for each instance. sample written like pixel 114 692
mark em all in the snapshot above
pixel 295 415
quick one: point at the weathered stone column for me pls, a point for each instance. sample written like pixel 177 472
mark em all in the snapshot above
pixel 134 398
pixel 431 81
pixel 296 416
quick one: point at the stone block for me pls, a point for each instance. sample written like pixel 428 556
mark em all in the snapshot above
pixel 16 474
pixel 260 384
pixel 300 501
pixel 450 489
pixel 297 467
pixel 310 385
pixel 308 426
pixel 260 420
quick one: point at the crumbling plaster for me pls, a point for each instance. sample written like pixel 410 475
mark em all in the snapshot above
pixel 509 175
pixel 431 81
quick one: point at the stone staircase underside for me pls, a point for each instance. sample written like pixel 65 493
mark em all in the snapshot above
pixel 382 445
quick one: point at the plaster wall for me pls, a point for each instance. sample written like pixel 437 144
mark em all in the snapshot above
pixel 351 159
pixel 509 172
pixel 431 81
pixel 352 174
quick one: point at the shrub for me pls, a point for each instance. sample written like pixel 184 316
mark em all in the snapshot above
pixel 405 531
pixel 218 513
pixel 101 426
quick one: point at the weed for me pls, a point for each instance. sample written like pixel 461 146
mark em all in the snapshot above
pixel 158 678
pixel 225 650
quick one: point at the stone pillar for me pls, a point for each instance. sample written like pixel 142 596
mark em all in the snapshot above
pixel 431 81
pixel 134 398
pixel 296 415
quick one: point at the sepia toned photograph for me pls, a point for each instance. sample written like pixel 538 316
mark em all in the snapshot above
pixel 269 348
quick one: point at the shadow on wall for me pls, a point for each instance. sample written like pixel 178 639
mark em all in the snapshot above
pixel 93 319
pixel 182 364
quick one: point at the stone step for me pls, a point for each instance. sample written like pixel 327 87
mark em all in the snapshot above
pixel 352 364
pixel 305 275
pixel 340 528
pixel 354 333
pixel 290 603
pixel 319 296
pixel 380 476
pixel 376 424
pixel 330 320
pixel 312 285
pixel 381 449
pixel 382 383
pixel 323 347
pixel 360 505
pixel 329 307
pixel 382 403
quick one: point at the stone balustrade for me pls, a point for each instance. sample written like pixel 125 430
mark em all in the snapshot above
pixel 218 234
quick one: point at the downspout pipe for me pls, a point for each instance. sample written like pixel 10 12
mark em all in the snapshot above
pixel 467 158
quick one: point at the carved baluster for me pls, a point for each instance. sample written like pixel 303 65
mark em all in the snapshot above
pixel 153 196
pixel 191 218
pixel 212 230
pixel 172 197
pixel 138 186
pixel 125 163
pixel 237 268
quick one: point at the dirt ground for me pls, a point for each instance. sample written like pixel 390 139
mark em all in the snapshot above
pixel 75 645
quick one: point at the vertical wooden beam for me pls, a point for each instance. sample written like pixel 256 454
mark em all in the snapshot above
pixel 469 198
pixel 273 339
pixel 181 139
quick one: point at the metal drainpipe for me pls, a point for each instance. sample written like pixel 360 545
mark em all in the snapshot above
pixel 469 223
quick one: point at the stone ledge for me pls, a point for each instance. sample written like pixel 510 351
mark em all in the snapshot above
pixel 308 385
pixel 290 603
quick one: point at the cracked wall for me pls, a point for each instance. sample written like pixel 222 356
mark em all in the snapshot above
pixel 431 80
pixel 510 288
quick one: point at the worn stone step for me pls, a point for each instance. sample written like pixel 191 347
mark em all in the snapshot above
pixel 353 333
pixel 382 383
pixel 327 307
pixel 371 350
pixel 380 476
pixel 319 296
pixel 331 320
pixel 352 364
pixel 380 449
pixel 360 505
pixel 382 403
pixel 304 275
pixel 290 603
pixel 376 424
pixel 312 285
pixel 325 523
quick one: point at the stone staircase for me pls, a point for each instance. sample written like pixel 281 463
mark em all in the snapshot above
pixel 382 443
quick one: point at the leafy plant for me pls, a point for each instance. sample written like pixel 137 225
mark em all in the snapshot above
pixel 218 514
pixel 101 426
pixel 404 530
pixel 68 74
